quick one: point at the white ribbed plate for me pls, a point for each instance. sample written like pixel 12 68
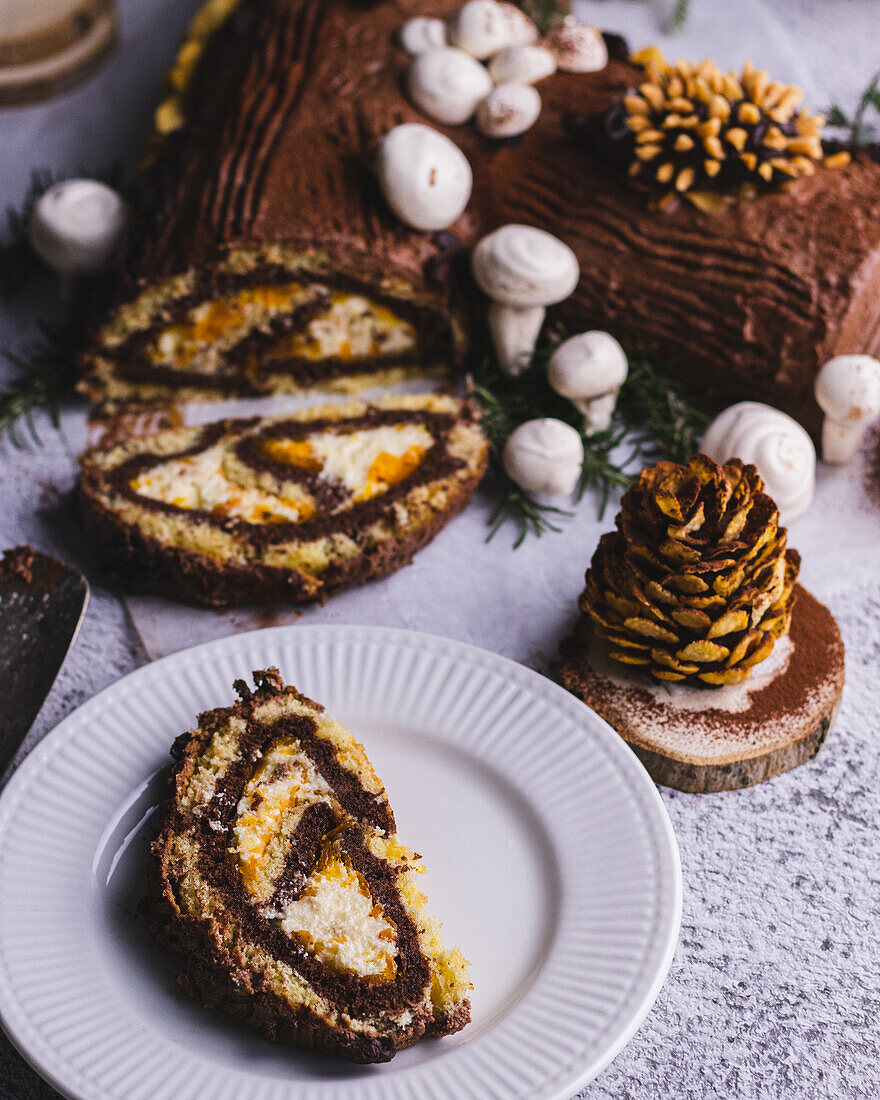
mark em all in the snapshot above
pixel 550 858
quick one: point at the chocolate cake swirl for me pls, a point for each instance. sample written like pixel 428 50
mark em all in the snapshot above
pixel 263 181
pixel 277 874
pixel 282 509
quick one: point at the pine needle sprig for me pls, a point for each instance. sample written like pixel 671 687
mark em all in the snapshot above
pixel 859 131
pixel 45 375
pixel 656 417
pixel 546 14
pixel 662 414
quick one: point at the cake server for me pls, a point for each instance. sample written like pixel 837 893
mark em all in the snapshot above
pixel 42 603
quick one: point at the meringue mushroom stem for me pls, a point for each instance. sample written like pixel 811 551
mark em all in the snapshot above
pixel 598 411
pixel 515 331
pixel 840 441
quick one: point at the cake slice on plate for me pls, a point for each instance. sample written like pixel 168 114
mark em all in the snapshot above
pixel 279 877
pixel 282 509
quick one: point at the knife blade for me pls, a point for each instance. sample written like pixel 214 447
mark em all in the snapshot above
pixel 42 603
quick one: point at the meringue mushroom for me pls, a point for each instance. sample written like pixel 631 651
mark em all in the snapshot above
pixel 78 225
pixel 772 441
pixel 447 84
pixel 485 27
pixel 425 177
pixel 577 47
pixel 508 110
pixel 544 456
pixel 589 370
pixel 519 265
pixel 848 392
pixel 515 333
pixel 422 33
pixel 522 65
pixel 521 31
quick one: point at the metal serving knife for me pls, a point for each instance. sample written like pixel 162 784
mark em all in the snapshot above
pixel 42 603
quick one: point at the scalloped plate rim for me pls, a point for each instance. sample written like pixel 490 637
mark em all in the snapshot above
pixel 623 757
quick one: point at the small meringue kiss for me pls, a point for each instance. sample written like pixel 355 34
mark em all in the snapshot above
pixel 589 370
pixel 425 177
pixel 77 226
pixel 519 265
pixel 514 334
pixel 522 65
pixel 422 33
pixel 544 457
pixel 772 441
pixel 577 47
pixel 508 110
pixel 447 84
pixel 485 27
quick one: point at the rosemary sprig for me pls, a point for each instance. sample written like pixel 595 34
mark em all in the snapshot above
pixel 656 417
pixel 859 131
pixel 678 17
pixel 45 375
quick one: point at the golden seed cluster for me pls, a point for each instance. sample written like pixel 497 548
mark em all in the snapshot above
pixel 706 135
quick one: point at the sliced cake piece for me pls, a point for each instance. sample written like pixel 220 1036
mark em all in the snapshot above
pixel 278 875
pixel 282 509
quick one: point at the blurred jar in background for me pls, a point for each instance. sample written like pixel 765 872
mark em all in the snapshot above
pixel 46 46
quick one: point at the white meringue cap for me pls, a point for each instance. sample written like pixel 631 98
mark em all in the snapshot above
pixel 848 389
pixel 485 27
pixel 78 225
pixel 508 110
pixel 776 444
pixel 447 84
pixel 522 64
pixel 588 365
pixel 520 265
pixel 577 47
pixel 423 33
pixel 425 178
pixel 544 457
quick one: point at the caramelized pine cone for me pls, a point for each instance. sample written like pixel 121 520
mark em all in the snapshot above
pixel 696 582
pixel 706 135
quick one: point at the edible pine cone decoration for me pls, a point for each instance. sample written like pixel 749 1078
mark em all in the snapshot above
pixel 707 135
pixel 696 582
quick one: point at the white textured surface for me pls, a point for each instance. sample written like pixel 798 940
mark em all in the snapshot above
pixel 550 859
pixel 774 993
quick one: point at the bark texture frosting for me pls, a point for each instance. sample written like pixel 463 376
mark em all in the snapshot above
pixel 270 166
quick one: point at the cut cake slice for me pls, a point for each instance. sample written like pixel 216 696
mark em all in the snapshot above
pixel 278 875
pixel 282 509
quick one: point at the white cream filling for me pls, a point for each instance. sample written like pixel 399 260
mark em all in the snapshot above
pixel 349 457
pixel 341 924
pixel 335 916
pixel 199 482
pixel 356 328
pixel 283 785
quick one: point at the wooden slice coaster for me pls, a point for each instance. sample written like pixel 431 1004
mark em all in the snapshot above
pixel 720 739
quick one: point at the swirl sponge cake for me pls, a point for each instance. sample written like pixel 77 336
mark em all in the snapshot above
pixel 283 509
pixel 277 874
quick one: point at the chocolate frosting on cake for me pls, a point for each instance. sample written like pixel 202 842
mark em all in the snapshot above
pixel 286 107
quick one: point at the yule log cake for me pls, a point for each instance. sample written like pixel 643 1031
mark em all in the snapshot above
pixel 265 257
pixel 279 877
